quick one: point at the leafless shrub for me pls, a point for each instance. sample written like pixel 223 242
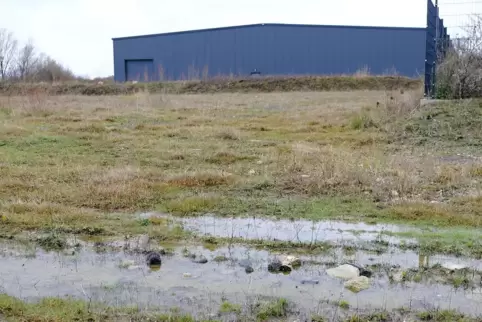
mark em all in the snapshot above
pixel 8 49
pixel 34 102
pixel 26 64
pixel 459 75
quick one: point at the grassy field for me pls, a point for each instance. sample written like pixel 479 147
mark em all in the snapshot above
pixel 85 164
pixel 76 163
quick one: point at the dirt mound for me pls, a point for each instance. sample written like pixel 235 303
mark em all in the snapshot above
pixel 261 85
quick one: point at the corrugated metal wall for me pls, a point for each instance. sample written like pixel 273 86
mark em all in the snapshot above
pixel 276 50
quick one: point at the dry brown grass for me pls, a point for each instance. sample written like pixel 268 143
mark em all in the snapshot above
pixel 200 180
pixel 227 152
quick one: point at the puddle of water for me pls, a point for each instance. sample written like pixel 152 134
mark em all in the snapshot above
pixel 303 231
pixel 101 277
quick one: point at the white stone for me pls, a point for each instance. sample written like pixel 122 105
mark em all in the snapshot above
pixel 346 272
pixel 252 172
pixel 127 264
pixel 397 277
pixel 290 260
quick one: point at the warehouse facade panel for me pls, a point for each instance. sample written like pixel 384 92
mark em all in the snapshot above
pixel 271 49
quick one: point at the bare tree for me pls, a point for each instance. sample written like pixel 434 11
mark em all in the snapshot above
pixel 459 73
pixel 8 49
pixel 27 61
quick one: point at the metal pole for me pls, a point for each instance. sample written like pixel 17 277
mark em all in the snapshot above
pixel 434 81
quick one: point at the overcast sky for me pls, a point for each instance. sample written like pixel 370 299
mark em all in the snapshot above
pixel 78 33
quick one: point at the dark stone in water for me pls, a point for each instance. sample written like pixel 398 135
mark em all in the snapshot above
pixel 249 270
pixel 310 281
pixel 274 266
pixel 200 260
pixel 153 259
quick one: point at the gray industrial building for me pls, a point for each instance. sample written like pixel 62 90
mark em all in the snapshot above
pixel 279 49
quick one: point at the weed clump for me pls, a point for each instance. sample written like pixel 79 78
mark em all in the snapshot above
pixel 272 309
pixel 200 180
pixel 227 307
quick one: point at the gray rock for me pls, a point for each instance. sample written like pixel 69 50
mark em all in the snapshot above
pixel 310 281
pixel 345 271
pixel 358 284
pixel 249 270
pixel 200 260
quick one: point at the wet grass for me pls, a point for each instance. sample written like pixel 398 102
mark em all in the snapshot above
pixel 65 310
pixel 316 247
pixel 57 309
pixel 271 309
pixel 227 307
pixel 83 164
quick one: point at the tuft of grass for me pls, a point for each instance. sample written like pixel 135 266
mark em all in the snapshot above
pixel 220 259
pixel 362 120
pixel 443 316
pixel 48 309
pixel 272 309
pixel 192 205
pixel 441 215
pixel 52 242
pixel 227 158
pixel 344 305
pixel 229 135
pixel 476 172
pixel 200 180
pixel 227 307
